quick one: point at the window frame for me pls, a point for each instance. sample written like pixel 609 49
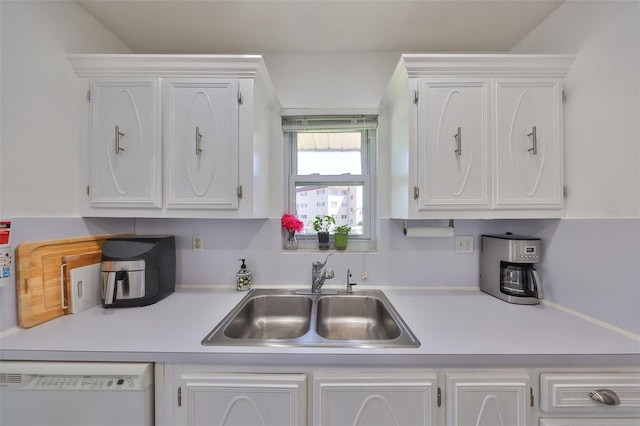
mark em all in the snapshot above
pixel 367 241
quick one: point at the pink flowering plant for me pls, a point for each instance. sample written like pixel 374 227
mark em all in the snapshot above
pixel 291 223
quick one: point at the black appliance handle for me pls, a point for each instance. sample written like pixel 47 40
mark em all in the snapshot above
pixel 534 287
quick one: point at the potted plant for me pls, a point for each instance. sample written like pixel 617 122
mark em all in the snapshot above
pixel 342 237
pixel 322 225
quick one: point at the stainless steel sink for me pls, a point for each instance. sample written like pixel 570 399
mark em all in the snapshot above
pixel 355 318
pixel 272 317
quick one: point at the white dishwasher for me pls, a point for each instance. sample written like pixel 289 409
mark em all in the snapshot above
pixel 76 394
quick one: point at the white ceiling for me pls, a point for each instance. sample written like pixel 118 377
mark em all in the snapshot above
pixel 263 26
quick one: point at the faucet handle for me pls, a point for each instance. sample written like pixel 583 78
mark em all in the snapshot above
pixel 328 273
pixel 349 283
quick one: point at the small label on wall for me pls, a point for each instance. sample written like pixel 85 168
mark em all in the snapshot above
pixel 6 255
pixel 5 233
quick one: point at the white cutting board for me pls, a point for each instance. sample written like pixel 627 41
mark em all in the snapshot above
pixel 84 287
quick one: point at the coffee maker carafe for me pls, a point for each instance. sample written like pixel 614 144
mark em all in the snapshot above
pixel 507 268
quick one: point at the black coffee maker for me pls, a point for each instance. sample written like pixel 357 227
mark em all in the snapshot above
pixel 507 268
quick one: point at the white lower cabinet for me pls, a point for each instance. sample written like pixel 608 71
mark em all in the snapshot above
pixel 590 398
pixel 375 398
pixel 487 398
pixel 209 394
pixel 203 398
pixel 589 422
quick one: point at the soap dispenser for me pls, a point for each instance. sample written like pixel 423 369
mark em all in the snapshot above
pixel 243 277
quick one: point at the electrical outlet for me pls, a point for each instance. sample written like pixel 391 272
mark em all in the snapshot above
pixel 197 243
pixel 364 276
pixel 464 244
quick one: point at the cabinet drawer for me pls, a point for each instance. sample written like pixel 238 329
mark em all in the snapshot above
pixel 572 392
pixel 590 422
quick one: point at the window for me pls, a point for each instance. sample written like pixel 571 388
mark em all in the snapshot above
pixel 330 160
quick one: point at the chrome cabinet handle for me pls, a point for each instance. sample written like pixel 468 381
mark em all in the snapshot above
pixel 198 141
pixel 118 135
pixel 534 135
pixel 605 396
pixel 458 137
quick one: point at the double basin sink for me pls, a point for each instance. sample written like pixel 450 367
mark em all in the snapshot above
pixel 273 317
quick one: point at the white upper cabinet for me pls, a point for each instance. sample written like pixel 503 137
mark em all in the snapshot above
pixel 475 136
pixel 528 144
pixel 125 153
pixel 177 136
pixel 202 144
pixel 452 144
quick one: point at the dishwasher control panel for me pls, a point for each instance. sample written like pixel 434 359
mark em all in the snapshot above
pixel 74 376
pixel 81 383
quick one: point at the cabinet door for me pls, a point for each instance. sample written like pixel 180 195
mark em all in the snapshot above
pixel 487 398
pixel 374 399
pixel 528 144
pixel 241 399
pixel 452 144
pixel 126 143
pixel 202 144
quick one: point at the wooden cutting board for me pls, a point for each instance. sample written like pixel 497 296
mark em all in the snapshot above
pixel 40 275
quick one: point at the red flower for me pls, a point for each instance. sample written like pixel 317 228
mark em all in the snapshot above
pixel 292 223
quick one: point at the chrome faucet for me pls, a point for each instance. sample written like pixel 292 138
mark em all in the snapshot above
pixel 318 275
pixel 349 283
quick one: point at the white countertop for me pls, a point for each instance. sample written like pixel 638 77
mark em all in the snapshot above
pixel 454 327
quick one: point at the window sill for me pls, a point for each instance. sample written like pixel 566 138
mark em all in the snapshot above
pixel 355 246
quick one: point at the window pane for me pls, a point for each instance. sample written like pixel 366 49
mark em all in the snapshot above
pixel 329 153
pixel 344 203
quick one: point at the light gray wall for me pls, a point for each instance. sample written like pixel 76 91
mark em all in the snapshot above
pixel 41 101
pixel 331 80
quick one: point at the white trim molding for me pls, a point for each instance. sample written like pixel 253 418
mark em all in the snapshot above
pixel 129 65
pixel 489 65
